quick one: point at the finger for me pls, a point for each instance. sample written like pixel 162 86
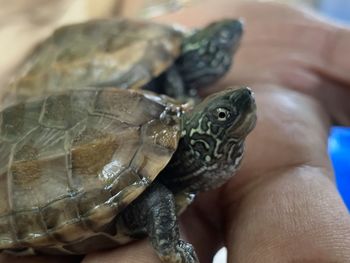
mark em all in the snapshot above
pixel 283 205
pixel 334 97
pixel 136 252
pixel 4 258
pixel 295 216
pixel 197 228
pixel 279 36
pixel 209 11
pixel 273 29
pixel 292 129
pixel 201 225
pixel 282 51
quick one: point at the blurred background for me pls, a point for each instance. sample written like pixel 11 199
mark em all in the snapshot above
pixel 23 23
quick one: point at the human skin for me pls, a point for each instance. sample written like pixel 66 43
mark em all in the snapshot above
pixel 282 206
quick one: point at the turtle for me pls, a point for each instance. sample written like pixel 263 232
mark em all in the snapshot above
pixel 89 169
pixel 127 53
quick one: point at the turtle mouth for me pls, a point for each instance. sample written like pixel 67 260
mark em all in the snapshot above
pixel 246 100
pixel 246 103
pixel 251 120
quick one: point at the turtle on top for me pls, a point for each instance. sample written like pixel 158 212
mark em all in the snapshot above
pixel 91 160
pixel 127 54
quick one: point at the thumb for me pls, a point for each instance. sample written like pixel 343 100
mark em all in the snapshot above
pixel 136 252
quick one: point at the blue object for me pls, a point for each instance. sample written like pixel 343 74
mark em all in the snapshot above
pixel 339 139
pixel 339 150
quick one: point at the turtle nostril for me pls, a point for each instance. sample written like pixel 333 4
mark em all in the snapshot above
pixel 246 99
pixel 249 91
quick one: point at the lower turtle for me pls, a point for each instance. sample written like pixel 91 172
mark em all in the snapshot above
pixel 91 169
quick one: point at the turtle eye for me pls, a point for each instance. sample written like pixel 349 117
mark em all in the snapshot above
pixel 222 114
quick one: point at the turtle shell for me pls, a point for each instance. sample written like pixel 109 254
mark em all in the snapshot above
pixel 70 162
pixel 121 52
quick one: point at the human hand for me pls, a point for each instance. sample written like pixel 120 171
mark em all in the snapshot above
pixel 282 206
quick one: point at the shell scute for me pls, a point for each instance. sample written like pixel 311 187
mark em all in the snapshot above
pixel 59 215
pixel 38 168
pixel 101 152
pixel 5 147
pixel 28 225
pixel 6 236
pixel 59 112
pixel 128 108
pixel 16 121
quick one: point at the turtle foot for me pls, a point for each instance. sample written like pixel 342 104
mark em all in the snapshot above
pixel 184 253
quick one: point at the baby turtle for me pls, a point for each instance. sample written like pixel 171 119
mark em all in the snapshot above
pixel 129 54
pixel 96 168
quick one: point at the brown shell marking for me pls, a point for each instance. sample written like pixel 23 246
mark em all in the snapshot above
pixel 62 179
pixel 123 53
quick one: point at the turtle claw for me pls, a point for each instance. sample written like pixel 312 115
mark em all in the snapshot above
pixel 184 254
pixel 171 113
pixel 187 251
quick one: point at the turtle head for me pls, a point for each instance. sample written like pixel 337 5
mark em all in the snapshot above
pixel 212 142
pixel 215 132
pixel 226 116
pixel 207 54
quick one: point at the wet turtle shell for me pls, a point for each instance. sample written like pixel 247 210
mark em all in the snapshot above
pixel 122 53
pixel 72 161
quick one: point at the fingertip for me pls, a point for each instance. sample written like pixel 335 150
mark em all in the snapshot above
pixel 5 258
pixel 136 252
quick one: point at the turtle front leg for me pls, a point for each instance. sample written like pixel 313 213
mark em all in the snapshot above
pixel 169 83
pixel 173 84
pixel 155 214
